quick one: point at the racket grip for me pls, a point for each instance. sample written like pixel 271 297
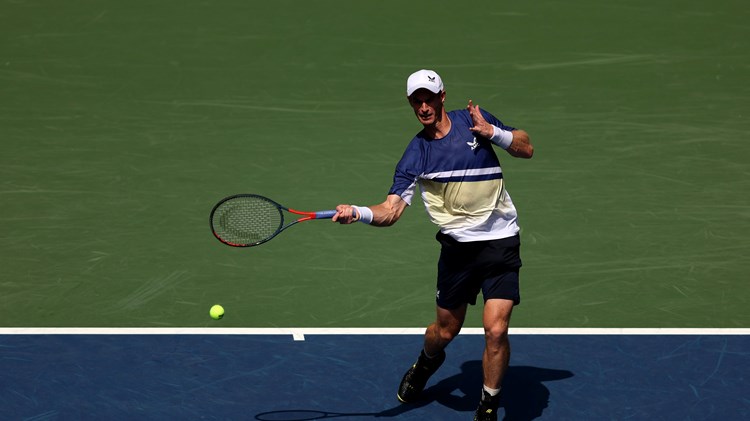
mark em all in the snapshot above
pixel 327 214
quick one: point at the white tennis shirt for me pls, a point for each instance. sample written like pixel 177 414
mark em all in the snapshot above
pixel 460 180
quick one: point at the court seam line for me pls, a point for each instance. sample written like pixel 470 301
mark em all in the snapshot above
pixel 298 334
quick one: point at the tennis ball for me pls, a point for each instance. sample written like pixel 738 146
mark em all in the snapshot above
pixel 216 312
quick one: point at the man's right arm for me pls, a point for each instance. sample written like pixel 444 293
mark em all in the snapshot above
pixel 383 215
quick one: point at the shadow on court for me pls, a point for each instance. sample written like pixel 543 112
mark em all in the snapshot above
pixel 525 396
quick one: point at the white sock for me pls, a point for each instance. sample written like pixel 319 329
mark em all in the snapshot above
pixel 492 392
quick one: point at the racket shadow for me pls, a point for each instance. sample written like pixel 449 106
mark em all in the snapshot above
pixel 306 415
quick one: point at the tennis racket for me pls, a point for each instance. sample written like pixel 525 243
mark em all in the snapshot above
pixel 246 220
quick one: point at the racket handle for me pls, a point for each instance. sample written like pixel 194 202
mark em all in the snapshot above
pixel 325 214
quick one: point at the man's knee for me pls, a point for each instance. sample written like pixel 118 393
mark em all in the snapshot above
pixel 497 334
pixel 449 322
pixel 496 320
pixel 448 332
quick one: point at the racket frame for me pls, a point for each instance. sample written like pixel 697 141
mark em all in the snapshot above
pixel 305 216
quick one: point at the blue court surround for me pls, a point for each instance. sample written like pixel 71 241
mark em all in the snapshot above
pixel 272 377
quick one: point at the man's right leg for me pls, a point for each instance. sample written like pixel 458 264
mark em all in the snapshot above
pixel 438 335
pixel 446 326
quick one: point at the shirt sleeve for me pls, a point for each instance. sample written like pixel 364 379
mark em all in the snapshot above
pixel 408 171
pixel 495 121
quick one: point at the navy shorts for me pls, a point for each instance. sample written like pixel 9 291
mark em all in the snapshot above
pixel 465 268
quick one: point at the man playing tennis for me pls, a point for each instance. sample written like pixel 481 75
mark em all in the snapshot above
pixel 461 182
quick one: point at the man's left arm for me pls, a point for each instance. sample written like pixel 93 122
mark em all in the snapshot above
pixel 516 142
pixel 521 146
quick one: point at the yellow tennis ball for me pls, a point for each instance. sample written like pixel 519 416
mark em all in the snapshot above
pixel 216 312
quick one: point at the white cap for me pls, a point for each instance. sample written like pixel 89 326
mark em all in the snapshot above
pixel 426 79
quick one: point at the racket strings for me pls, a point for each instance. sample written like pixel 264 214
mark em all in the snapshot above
pixel 247 220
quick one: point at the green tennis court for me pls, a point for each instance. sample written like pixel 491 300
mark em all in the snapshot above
pixel 122 123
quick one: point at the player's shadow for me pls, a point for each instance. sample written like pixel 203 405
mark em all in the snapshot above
pixel 524 395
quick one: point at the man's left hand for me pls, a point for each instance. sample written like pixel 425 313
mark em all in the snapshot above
pixel 481 126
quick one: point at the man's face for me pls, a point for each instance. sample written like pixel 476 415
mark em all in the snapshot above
pixel 428 106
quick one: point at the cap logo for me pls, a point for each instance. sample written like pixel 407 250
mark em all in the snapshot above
pixel 431 78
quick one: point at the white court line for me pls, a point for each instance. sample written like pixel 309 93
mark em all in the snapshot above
pixel 298 334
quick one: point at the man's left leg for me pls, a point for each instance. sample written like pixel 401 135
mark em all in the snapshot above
pixel 496 319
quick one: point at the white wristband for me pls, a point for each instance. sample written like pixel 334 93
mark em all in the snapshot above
pixel 365 214
pixel 501 138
